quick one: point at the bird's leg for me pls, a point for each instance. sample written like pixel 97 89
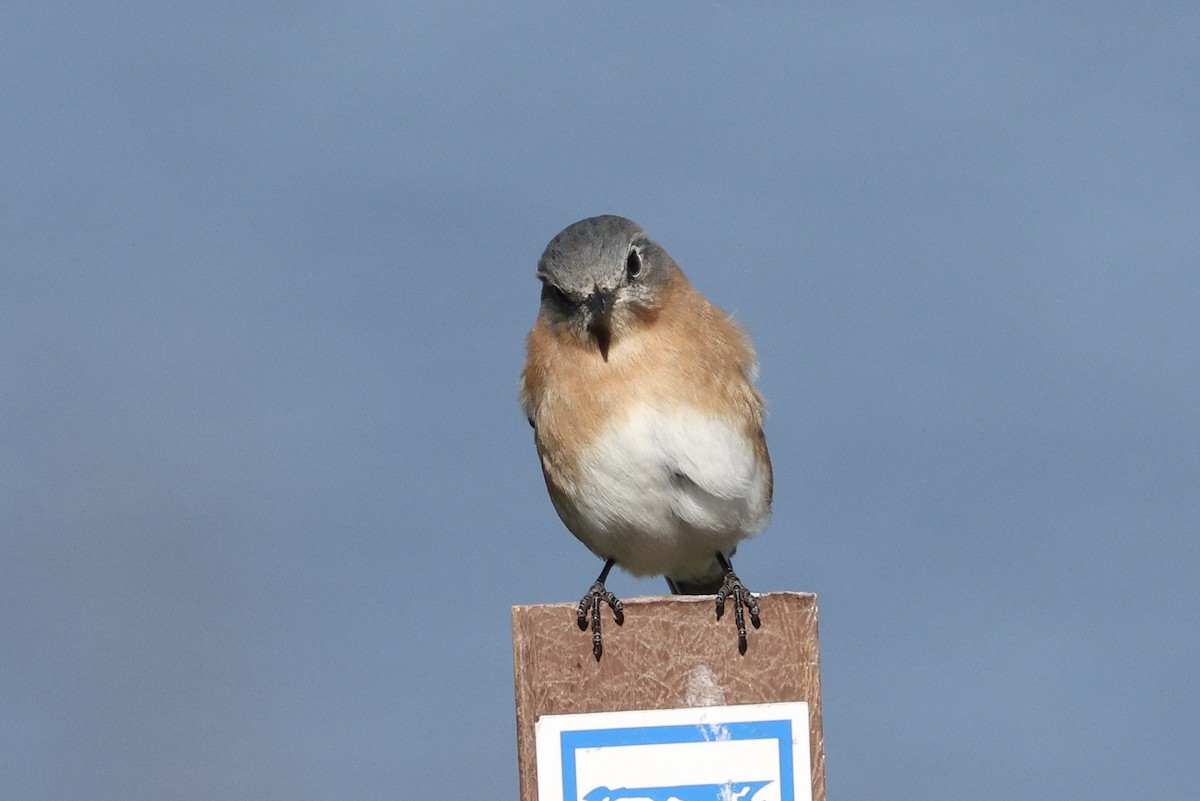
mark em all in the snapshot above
pixel 743 600
pixel 590 603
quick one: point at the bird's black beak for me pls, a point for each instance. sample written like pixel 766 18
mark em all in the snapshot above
pixel 600 302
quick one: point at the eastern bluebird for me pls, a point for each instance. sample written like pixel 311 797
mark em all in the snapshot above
pixel 645 417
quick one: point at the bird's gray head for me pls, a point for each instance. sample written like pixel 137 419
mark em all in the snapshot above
pixel 602 276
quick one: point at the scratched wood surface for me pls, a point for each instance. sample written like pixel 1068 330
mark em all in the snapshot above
pixel 670 653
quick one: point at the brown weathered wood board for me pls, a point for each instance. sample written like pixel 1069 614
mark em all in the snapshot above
pixel 670 653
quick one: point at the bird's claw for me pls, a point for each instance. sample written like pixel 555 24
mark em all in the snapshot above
pixel 743 601
pixel 589 610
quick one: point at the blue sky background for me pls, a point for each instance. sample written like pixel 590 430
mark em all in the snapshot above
pixel 266 496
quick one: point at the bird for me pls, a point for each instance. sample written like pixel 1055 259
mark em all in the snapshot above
pixel 646 418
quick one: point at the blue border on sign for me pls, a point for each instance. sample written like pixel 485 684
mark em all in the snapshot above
pixel 778 730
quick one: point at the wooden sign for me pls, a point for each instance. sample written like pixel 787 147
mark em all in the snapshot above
pixel 670 654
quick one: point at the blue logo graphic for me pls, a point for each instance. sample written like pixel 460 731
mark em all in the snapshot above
pixel 775 734
pixel 732 791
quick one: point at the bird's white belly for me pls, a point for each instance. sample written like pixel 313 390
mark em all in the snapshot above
pixel 662 490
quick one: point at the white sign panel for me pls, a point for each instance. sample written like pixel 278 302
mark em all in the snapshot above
pixel 753 752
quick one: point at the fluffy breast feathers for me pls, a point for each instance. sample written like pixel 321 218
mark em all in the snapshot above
pixel 654 456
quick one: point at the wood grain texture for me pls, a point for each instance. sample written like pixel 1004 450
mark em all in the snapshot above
pixel 671 653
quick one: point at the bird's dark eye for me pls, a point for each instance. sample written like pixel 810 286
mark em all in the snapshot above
pixel 633 263
pixel 549 290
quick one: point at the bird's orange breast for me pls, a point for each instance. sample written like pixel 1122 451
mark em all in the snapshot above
pixel 690 354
